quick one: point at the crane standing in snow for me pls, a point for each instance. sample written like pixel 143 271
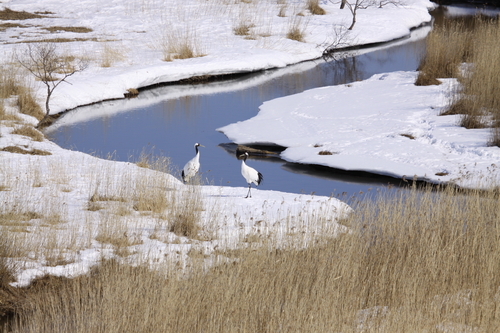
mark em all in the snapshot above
pixel 250 174
pixel 192 167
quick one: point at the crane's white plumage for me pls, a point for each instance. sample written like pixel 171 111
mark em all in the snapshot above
pixel 250 174
pixel 192 167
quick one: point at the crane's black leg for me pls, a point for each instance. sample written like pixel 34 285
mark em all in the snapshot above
pixel 249 194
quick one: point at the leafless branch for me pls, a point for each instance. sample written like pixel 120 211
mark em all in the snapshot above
pixel 43 61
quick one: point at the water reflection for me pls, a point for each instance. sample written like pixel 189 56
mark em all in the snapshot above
pixel 171 118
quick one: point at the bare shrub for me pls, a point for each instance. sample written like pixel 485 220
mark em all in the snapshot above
pixel 44 62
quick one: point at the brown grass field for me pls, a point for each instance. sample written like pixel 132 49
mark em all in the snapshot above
pixel 423 261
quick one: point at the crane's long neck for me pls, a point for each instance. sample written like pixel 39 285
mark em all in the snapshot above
pixel 197 156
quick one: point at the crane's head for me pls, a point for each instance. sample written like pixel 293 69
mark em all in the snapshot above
pixel 243 156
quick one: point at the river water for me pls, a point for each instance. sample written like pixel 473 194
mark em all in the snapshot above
pixel 168 121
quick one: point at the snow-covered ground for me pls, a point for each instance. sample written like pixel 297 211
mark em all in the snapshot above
pixel 130 35
pixel 67 232
pixel 384 125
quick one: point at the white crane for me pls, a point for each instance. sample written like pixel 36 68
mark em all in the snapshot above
pixel 250 174
pixel 192 167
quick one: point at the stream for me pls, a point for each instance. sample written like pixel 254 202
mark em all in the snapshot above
pixel 168 120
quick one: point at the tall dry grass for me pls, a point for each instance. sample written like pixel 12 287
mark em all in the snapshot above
pixel 314 7
pixel 481 88
pixel 10 298
pixel 14 83
pixel 473 57
pixel 296 29
pixel 111 53
pixel 447 46
pixel 425 261
pixel 180 43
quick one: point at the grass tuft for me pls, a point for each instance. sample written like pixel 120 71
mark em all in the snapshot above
pixel 243 29
pixel 27 103
pixel 9 14
pixel 18 150
pixel 79 30
pixel 409 136
pixel 314 7
pixel 111 54
pixel 295 33
pixel 30 132
pixel 296 29
pixel 180 45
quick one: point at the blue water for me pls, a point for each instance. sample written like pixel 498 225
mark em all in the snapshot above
pixel 179 115
pixel 170 127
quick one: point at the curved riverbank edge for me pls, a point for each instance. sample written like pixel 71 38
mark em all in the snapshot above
pixel 384 125
pixel 227 54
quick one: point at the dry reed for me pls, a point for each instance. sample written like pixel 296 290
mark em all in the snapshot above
pixel 296 29
pixel 421 261
pixel 29 131
pixel 448 48
pixel 314 7
pixel 111 54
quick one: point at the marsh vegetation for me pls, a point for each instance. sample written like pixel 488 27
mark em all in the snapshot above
pixel 426 259
pixel 471 54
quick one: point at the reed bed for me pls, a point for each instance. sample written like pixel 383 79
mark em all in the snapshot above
pixel 473 57
pixel 422 261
